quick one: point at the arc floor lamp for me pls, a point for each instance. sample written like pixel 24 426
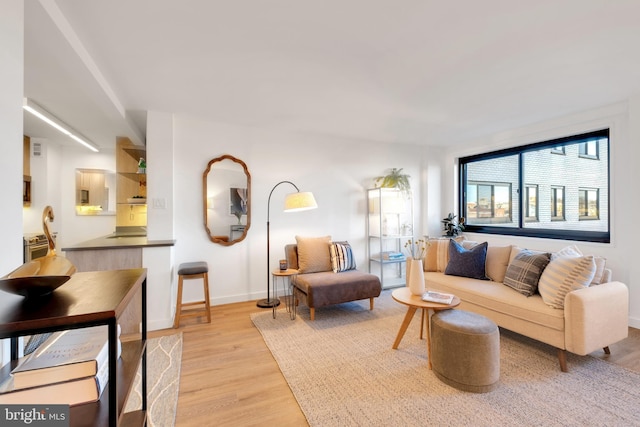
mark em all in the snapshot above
pixel 293 202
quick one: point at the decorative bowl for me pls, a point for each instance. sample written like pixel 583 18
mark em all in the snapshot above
pixel 33 286
pixel 38 277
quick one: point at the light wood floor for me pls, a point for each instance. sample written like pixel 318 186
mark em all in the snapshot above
pixel 229 377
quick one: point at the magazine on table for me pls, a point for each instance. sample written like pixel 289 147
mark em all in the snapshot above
pixel 440 297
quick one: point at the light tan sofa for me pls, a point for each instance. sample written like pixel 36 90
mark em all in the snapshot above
pixel 592 317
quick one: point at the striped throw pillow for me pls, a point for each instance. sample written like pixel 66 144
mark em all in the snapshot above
pixel 341 257
pixel 563 275
pixel 437 257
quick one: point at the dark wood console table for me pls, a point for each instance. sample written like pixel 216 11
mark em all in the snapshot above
pixel 89 299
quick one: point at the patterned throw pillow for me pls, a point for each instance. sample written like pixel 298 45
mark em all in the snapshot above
pixel 572 251
pixel 467 262
pixel 525 270
pixel 341 257
pixel 563 275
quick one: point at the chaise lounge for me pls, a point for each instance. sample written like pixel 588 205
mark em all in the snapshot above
pixel 327 274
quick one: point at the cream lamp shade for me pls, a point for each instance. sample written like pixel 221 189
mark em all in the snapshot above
pixel 301 201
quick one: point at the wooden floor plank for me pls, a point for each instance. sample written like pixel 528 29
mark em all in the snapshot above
pixel 229 377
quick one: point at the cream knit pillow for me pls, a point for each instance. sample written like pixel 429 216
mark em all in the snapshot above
pixel 563 275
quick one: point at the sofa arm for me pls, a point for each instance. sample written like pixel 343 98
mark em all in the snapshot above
pixel 596 317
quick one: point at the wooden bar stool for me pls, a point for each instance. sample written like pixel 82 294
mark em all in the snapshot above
pixel 192 270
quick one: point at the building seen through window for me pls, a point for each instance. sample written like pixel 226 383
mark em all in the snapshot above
pixel 533 191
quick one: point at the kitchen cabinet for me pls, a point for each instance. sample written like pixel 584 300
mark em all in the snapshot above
pixel 90 188
pixel 90 299
pixel 130 184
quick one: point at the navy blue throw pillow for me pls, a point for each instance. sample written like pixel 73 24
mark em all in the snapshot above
pixel 467 262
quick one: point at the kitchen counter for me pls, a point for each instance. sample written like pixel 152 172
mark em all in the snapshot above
pixel 113 252
pixel 113 241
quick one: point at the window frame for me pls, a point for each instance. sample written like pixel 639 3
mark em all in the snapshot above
pixel 520 229
pixel 554 203
pixel 587 191
pixel 584 151
pixel 493 185
pixel 527 196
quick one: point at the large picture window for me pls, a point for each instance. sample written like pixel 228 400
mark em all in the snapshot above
pixel 501 191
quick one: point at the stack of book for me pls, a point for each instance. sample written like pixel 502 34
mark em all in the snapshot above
pixel 71 367
pixel 392 256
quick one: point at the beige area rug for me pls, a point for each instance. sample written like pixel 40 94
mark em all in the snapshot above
pixel 164 357
pixel 343 372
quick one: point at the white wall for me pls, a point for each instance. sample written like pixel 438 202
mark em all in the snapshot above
pixel 159 261
pixel 11 88
pixel 623 120
pixel 337 171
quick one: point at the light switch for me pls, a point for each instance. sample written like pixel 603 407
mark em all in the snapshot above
pixel 160 203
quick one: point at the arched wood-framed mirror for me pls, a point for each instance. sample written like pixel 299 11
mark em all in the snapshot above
pixel 226 200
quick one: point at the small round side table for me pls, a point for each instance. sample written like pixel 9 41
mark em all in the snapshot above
pixel 414 302
pixel 287 277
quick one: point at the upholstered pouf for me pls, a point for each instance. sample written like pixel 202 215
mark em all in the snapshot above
pixel 465 350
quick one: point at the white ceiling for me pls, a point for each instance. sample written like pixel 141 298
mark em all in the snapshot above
pixel 418 71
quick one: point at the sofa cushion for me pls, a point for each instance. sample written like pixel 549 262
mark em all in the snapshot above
pixel 327 288
pixel 494 297
pixel 437 256
pixel 467 262
pixel 498 258
pixel 525 270
pixel 341 257
pixel 313 254
pixel 497 262
pixel 563 275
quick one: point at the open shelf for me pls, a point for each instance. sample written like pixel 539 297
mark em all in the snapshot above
pixel 90 299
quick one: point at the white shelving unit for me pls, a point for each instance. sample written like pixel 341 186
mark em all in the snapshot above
pixel 389 227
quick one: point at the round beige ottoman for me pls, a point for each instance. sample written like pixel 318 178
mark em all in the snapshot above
pixel 465 350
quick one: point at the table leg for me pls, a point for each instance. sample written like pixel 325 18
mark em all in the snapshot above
pixel 422 323
pixel 429 313
pixel 291 300
pixel 405 324
pixel 274 282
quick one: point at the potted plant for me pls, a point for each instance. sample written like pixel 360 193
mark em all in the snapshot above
pixel 394 179
pixel 451 226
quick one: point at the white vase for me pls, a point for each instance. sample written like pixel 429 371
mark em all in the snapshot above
pixel 415 276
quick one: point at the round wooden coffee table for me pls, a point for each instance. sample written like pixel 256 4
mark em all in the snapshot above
pixel 414 302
